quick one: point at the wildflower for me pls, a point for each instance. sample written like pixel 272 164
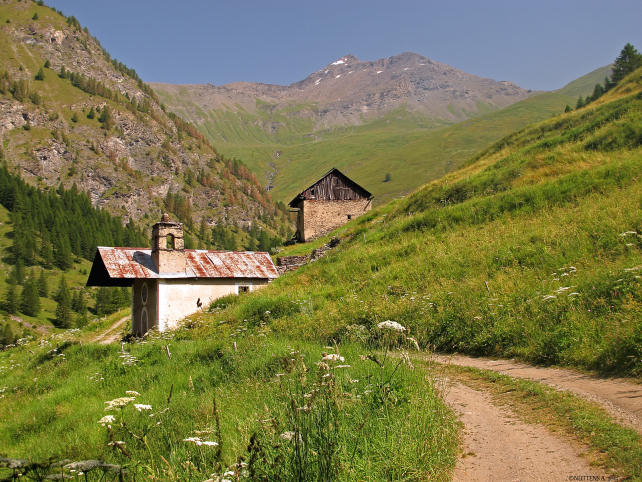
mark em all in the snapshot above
pixel 392 326
pixel 333 357
pixel 107 419
pixel 289 436
pixel 132 393
pixel 118 402
pixel 197 441
pixel 140 407
pixel 341 366
pixel 549 297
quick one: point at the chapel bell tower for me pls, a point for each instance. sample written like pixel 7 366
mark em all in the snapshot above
pixel 168 248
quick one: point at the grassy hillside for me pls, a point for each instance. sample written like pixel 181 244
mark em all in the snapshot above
pixel 412 148
pixel 533 250
pixel 247 403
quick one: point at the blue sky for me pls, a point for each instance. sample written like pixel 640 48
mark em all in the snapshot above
pixel 538 44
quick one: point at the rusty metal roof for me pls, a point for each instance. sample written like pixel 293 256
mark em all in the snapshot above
pixel 132 263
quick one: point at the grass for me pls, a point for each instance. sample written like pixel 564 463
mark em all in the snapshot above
pixel 388 423
pixel 413 148
pixel 533 250
pixel 610 445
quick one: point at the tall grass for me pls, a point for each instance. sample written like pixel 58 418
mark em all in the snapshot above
pixel 217 407
pixel 534 250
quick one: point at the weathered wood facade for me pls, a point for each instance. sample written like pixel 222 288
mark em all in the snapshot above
pixel 329 203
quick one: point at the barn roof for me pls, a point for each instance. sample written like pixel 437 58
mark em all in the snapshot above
pixel 334 171
pixel 121 266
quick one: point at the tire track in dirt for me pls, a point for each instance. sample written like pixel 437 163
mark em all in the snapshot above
pixel 621 398
pixel 497 446
pixel 112 334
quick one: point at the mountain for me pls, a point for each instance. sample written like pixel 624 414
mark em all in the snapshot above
pixel 532 250
pixel 350 91
pixel 286 148
pixel 71 114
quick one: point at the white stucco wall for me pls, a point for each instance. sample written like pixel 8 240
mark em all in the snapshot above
pixel 177 298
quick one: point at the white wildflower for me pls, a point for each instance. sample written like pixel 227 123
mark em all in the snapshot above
pixel 392 326
pixel 132 393
pixel 107 419
pixel 287 436
pixel 333 357
pixel 140 407
pixel 341 366
pixel 199 442
pixel 549 297
pixel 118 402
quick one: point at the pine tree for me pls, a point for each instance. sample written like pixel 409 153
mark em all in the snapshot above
pixel 11 300
pixel 40 75
pixel 63 310
pixel 628 61
pixel 103 301
pixel 91 114
pixel 18 274
pixel 580 103
pixel 6 335
pixel 47 255
pixel 43 289
pixel 78 303
pixel 29 300
pixel 567 108
pixel 106 119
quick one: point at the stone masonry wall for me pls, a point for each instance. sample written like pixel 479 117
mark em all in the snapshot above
pixel 320 217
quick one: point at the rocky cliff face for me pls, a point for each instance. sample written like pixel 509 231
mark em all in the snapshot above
pixel 350 91
pixel 70 114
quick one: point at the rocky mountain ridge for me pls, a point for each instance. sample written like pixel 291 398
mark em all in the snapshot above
pixel 350 91
pixel 71 114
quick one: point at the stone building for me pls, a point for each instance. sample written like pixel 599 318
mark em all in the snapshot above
pixel 327 204
pixel 170 282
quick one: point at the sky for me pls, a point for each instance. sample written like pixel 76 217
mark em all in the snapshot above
pixel 538 44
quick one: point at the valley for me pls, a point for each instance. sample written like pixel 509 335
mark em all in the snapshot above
pixel 480 322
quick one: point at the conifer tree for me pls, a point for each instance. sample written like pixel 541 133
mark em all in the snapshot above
pixel 29 300
pixel 580 103
pixel 567 108
pixel 43 288
pixel 628 61
pixel 6 335
pixel 103 301
pixel 91 114
pixel 18 273
pixel 63 310
pixel 11 300
pixel 40 75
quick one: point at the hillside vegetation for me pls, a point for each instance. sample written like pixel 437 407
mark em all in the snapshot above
pixel 533 250
pixel 69 113
pixel 411 147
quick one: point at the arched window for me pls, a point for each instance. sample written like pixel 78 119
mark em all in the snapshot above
pixel 169 240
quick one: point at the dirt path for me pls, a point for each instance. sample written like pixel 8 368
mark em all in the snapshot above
pixel 620 397
pixel 112 334
pixel 497 446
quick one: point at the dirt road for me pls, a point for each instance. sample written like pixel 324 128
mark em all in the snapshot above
pixel 113 333
pixel 497 446
pixel 620 397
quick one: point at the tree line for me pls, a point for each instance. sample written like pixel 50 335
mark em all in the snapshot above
pixel 51 227
pixel 628 61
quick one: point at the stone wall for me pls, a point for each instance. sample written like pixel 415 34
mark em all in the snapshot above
pixel 317 218
pixel 290 263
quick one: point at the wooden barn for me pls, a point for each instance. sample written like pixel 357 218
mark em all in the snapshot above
pixel 169 282
pixel 327 204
